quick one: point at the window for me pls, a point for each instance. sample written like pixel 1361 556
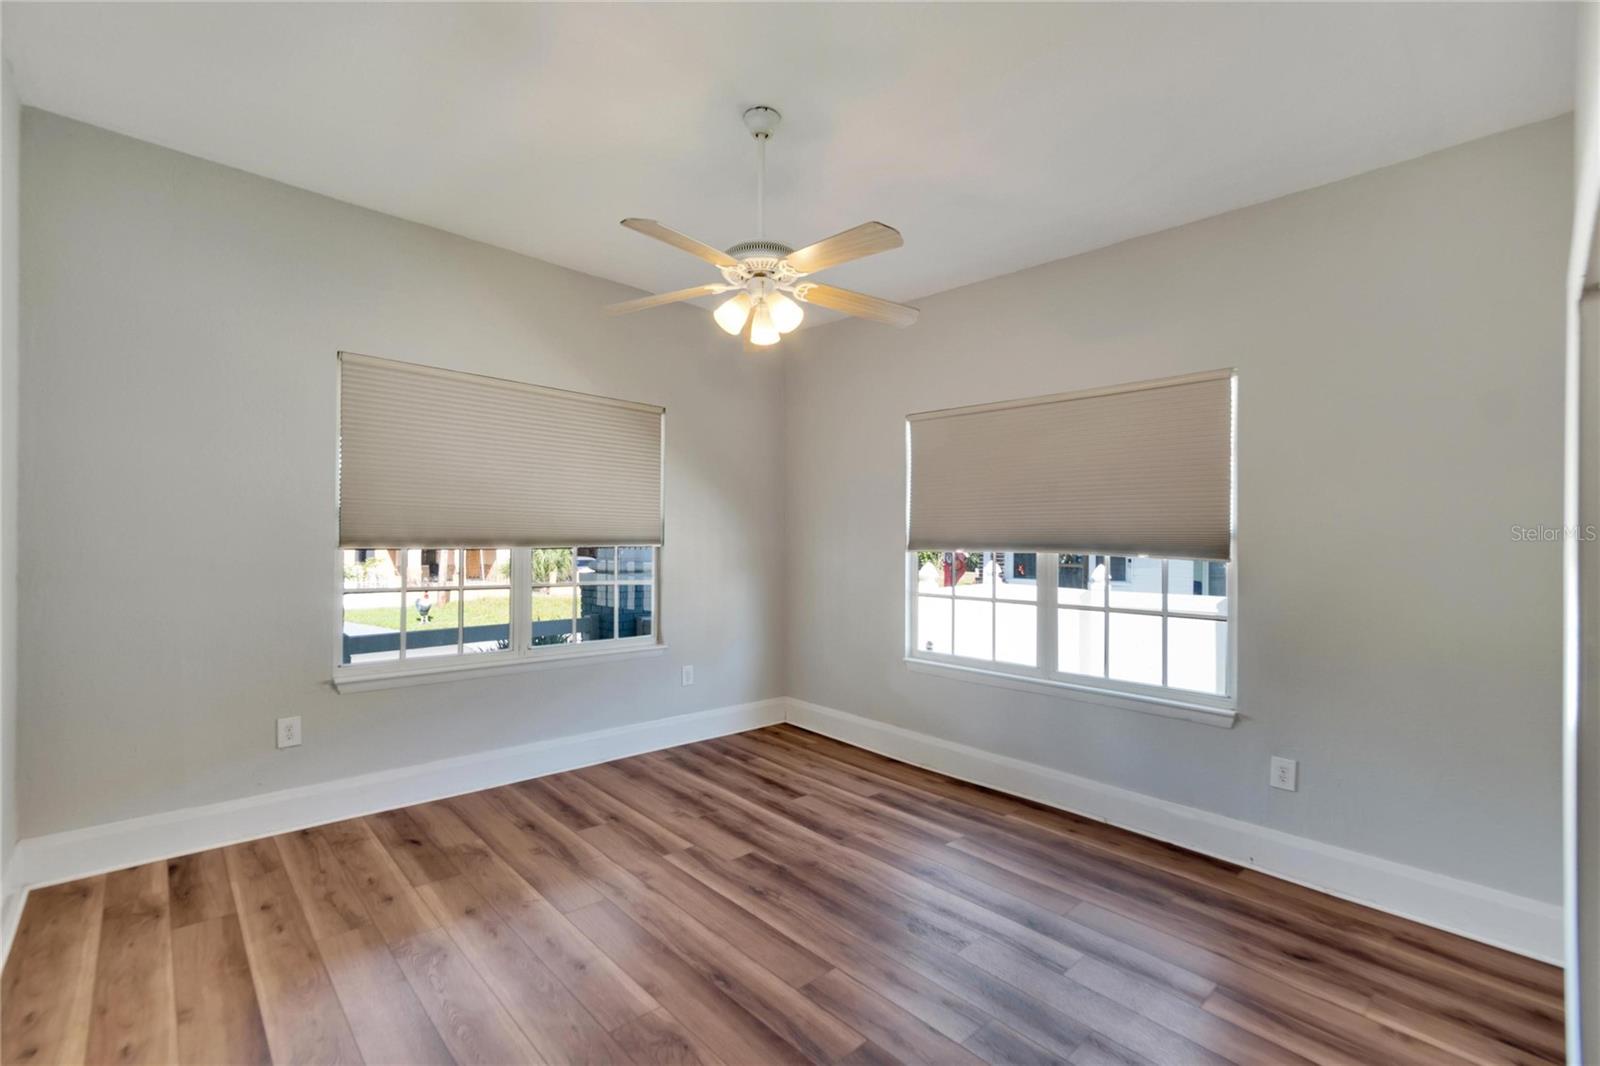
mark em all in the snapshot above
pixel 429 606
pixel 593 593
pixel 1145 468
pixel 978 605
pixel 540 593
pixel 1133 624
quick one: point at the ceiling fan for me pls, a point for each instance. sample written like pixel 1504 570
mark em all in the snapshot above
pixel 767 273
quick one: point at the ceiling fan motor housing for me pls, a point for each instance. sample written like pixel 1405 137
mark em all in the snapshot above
pixel 760 259
pixel 759 249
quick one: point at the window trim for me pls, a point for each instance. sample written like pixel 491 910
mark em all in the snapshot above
pixel 365 679
pixel 1159 706
pixel 1045 678
pixel 522 655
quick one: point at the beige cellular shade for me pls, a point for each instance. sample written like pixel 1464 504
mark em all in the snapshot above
pixel 1139 469
pixel 431 457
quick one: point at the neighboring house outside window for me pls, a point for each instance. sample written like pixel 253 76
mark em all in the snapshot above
pixel 406 604
pixel 1144 626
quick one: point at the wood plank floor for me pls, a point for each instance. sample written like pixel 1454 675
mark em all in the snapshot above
pixel 773 897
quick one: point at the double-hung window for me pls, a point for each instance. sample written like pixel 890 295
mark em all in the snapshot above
pixel 407 604
pixel 1145 626
pixel 584 595
pixel 566 487
pixel 977 606
pixel 1105 529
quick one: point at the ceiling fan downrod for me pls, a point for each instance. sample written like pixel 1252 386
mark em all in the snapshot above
pixel 761 121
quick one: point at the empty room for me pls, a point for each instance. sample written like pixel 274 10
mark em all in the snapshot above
pixel 728 534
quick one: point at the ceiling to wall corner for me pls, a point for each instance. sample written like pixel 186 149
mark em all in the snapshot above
pixel 995 137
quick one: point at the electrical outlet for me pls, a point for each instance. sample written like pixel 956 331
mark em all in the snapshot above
pixel 1285 774
pixel 289 732
pixel 688 675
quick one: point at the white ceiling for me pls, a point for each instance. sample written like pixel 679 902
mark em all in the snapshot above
pixel 995 137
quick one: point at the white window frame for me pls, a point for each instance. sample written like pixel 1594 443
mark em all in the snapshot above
pixel 1046 677
pixel 522 655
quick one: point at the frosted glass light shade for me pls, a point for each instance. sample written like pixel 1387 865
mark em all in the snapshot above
pixel 730 314
pixel 762 330
pixel 786 314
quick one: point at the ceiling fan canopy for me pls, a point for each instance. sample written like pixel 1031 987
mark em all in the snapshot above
pixel 769 275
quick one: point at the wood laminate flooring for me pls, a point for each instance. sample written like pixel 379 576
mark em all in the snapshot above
pixel 771 897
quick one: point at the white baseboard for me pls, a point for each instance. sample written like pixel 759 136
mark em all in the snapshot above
pixel 1517 923
pixel 11 904
pixel 1527 926
pixel 66 856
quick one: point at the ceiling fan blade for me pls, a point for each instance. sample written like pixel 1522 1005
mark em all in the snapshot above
pixel 644 303
pixel 869 238
pixel 855 303
pixel 651 228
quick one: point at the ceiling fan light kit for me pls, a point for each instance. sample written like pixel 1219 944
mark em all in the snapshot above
pixel 730 315
pixel 768 273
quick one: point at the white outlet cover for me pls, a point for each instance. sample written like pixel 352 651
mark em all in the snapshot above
pixel 289 732
pixel 688 675
pixel 1284 774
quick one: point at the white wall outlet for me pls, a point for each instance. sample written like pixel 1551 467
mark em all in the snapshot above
pixel 1285 774
pixel 688 675
pixel 289 732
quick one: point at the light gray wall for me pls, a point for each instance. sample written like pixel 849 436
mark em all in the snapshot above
pixel 1398 338
pixel 10 146
pixel 178 528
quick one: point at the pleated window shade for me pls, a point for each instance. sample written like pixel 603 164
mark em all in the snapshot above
pixel 1141 469
pixel 431 457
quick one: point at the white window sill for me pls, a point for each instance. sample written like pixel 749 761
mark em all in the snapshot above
pixel 367 678
pixel 1162 706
